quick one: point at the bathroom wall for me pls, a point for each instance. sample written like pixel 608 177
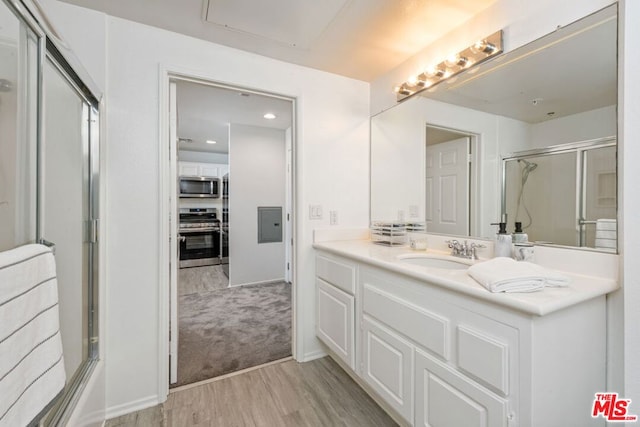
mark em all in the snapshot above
pixel 592 124
pixel 332 145
pixel 257 179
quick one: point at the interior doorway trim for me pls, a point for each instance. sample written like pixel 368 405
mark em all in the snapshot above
pixel 166 75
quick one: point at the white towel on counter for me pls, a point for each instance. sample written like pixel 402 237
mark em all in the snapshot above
pixel 31 363
pixel 508 275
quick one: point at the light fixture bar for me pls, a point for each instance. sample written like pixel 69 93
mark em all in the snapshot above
pixel 475 54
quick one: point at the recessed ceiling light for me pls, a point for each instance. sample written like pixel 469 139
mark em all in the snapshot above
pixel 210 141
pixel 269 116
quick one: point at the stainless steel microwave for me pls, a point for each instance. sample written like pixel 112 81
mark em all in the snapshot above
pixel 199 186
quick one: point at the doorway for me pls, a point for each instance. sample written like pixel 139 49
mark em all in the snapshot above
pixel 231 308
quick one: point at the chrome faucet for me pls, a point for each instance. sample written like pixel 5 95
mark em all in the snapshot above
pixel 464 250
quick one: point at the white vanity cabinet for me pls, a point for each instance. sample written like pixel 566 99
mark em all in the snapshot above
pixel 439 358
pixel 335 323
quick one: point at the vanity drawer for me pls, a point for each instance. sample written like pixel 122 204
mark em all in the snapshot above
pixel 339 274
pixel 484 357
pixel 423 326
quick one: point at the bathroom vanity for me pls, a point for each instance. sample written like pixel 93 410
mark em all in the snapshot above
pixel 435 348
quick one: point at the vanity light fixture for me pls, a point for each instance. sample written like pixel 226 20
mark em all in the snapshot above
pixel 479 52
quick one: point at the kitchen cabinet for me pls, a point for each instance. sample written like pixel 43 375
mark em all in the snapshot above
pixel 440 358
pixel 202 169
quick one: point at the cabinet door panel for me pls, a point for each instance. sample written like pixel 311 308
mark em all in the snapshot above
pixel 335 325
pixel 388 366
pixel 445 398
pixel 188 169
pixel 209 170
pixel 484 357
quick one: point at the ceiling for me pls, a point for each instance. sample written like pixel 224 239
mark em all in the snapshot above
pixel 361 39
pixel 205 112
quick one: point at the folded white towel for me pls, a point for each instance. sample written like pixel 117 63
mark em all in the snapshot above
pixel 507 275
pixel 31 363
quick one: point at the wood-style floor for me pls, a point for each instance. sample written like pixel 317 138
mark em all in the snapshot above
pixel 317 393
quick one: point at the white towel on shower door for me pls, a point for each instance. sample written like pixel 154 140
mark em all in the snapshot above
pixel 31 361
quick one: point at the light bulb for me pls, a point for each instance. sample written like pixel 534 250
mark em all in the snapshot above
pixel 483 46
pixel 434 72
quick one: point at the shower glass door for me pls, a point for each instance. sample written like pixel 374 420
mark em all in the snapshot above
pixel 64 206
pixel 541 194
pixel 67 212
pixel 599 199
pixel 18 129
pixel 564 195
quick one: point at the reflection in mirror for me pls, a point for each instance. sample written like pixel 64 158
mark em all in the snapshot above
pixel 560 89
pixel 447 171
pixel 578 182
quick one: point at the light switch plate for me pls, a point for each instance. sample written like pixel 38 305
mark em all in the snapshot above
pixel 315 212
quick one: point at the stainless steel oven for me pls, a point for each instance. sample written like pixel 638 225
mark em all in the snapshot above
pixel 199 236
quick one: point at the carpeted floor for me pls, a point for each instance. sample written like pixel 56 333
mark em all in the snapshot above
pixel 226 330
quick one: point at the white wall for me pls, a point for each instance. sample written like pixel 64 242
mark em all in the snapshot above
pixel 202 157
pixel 257 178
pixel 593 124
pixel 331 169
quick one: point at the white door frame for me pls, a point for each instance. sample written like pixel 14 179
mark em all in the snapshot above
pixel 167 175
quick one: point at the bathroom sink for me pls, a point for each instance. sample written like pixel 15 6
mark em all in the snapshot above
pixel 435 261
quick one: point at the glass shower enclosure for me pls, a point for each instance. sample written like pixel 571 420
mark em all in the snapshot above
pixel 49 171
pixel 565 194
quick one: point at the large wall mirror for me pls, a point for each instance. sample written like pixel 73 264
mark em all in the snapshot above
pixel 455 155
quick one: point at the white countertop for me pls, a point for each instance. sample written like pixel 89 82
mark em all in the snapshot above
pixel 581 288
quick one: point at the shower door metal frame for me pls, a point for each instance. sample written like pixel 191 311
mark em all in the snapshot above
pixel 580 148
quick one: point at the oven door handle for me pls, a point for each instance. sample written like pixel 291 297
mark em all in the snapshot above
pixel 197 230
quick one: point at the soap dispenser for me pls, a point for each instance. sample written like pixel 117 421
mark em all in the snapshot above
pixel 518 235
pixel 503 242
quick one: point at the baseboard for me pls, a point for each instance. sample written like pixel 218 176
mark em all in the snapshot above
pixel 308 357
pixel 127 408
pixel 262 282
